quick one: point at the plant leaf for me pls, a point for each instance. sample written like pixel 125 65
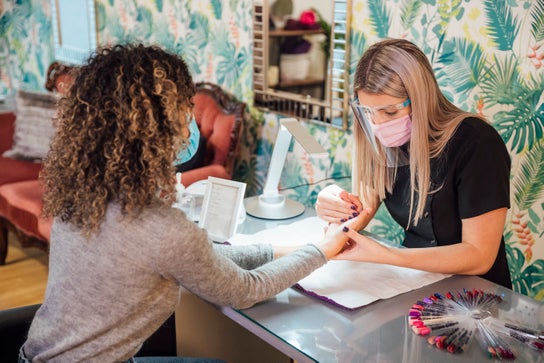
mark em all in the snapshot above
pixel 409 12
pixel 503 26
pixel 159 5
pixel 200 26
pixel 529 181
pixel 379 17
pixel 524 123
pixel 217 7
pixel 501 84
pixel 521 280
pixel 537 26
pixel 144 22
pixel 535 271
pixel 387 227
pixel 465 67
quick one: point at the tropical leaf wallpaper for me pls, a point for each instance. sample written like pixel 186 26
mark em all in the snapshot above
pixel 487 55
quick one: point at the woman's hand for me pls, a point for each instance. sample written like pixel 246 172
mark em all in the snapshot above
pixel 474 255
pixel 336 205
pixel 361 248
pixel 335 239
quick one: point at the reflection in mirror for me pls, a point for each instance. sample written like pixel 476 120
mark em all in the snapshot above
pixel 74 30
pixel 301 60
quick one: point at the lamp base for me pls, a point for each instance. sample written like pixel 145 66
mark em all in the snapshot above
pixel 287 209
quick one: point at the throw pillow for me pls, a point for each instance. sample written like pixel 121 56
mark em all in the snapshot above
pixel 34 126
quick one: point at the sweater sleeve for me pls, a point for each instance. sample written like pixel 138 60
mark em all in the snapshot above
pixel 213 273
pixel 247 257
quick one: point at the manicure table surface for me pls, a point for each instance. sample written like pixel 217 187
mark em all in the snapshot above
pixel 310 330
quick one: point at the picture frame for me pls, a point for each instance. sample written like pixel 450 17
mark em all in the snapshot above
pixel 221 208
pixel 74 30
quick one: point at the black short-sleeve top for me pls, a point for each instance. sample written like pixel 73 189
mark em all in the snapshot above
pixel 471 177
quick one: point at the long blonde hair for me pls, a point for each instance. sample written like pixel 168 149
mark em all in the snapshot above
pixel 398 68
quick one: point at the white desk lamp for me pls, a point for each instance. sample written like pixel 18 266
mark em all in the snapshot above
pixel 271 204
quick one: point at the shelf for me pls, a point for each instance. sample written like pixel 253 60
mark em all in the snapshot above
pixel 300 82
pixel 293 33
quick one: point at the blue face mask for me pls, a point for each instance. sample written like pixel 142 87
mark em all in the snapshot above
pixel 187 153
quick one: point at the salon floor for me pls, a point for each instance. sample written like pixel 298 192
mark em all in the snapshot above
pixel 24 276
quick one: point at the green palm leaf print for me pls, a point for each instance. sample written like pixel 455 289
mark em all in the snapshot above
pixel 409 12
pixel 522 125
pixel 466 65
pixel 521 279
pixel 158 5
pixel 217 7
pixel 529 181
pixel 503 26
pixel 502 84
pixel 537 13
pixel 528 281
pixel 387 227
pixel 379 17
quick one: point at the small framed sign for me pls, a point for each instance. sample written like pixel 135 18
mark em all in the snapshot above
pixel 221 207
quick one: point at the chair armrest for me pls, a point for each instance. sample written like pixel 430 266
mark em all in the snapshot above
pixel 7 128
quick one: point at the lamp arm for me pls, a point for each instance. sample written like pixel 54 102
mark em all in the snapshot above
pixel 281 147
pixel 271 204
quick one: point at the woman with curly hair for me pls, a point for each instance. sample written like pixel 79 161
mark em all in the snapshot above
pixel 119 252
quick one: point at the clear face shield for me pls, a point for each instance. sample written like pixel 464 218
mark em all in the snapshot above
pixel 388 139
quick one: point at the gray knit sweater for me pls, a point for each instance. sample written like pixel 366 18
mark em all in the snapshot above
pixel 107 294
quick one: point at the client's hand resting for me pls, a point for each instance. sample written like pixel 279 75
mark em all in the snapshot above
pixel 335 240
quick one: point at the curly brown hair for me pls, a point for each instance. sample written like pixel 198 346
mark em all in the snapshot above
pixel 119 130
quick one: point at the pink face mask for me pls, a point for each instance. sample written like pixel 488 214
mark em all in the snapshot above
pixel 394 133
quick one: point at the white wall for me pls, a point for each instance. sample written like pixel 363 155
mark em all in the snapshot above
pixel 325 7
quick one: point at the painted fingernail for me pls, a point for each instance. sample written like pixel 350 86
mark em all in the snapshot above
pixel 345 229
pixel 353 207
pixel 355 214
pixel 342 220
pixel 350 217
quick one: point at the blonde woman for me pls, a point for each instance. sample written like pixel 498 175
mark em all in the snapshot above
pixel 442 173
pixel 119 252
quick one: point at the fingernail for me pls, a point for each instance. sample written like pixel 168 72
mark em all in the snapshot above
pixel 342 220
pixel 355 214
pixel 345 229
pixel 350 217
pixel 353 207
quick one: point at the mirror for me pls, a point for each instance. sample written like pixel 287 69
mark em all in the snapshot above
pixel 302 69
pixel 74 30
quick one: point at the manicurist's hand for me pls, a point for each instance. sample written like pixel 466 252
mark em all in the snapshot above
pixel 474 255
pixel 335 205
pixel 335 238
pixel 361 248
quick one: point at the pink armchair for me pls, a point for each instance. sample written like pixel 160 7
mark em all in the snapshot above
pixel 220 119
